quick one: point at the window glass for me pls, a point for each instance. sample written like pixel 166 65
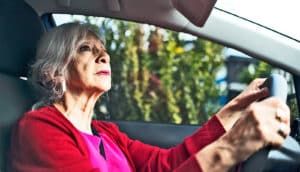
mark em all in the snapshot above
pixel 279 15
pixel 163 76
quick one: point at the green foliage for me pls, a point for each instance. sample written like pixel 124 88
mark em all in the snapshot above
pixel 156 78
pixel 260 70
pixel 292 103
pixel 159 77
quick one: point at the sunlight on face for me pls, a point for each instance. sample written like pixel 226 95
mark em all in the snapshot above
pixel 90 71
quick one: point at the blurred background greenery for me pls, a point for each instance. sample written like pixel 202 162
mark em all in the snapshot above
pixel 160 76
pixel 157 78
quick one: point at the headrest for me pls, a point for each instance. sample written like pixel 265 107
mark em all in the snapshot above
pixel 20 31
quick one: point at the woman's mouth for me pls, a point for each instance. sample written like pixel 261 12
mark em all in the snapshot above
pixel 103 72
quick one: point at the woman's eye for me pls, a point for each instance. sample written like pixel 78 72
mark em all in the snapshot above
pixel 83 48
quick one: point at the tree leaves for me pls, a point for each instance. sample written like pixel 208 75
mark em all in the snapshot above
pixel 155 78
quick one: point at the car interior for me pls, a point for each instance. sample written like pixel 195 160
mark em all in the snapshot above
pixel 21 38
pixel 23 23
pixel 18 95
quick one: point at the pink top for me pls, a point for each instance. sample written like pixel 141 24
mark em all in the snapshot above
pixel 115 159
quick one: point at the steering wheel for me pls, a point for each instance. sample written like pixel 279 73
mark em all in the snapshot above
pixel 287 157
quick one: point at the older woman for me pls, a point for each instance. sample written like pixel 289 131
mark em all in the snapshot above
pixel 73 65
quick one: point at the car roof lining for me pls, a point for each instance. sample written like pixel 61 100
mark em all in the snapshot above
pixel 156 12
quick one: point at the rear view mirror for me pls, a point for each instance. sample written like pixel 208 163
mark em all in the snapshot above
pixel 196 11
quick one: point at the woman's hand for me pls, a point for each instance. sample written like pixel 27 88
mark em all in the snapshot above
pixel 264 123
pixel 232 111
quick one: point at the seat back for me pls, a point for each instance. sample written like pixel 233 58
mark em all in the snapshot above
pixel 20 31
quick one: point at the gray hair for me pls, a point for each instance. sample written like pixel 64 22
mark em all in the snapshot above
pixel 56 49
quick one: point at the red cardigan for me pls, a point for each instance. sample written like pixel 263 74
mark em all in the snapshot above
pixel 45 141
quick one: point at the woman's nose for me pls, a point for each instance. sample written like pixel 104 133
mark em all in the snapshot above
pixel 103 58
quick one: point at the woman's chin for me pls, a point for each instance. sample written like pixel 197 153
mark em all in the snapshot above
pixel 104 88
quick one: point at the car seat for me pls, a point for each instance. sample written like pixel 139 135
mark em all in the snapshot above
pixel 20 31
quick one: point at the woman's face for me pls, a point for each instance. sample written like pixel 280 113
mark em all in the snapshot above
pixel 90 71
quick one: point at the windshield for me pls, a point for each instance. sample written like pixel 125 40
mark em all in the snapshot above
pixel 279 15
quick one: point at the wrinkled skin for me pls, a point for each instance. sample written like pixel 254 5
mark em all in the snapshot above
pixel 251 124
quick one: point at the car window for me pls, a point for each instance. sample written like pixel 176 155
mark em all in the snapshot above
pixel 164 76
pixel 268 13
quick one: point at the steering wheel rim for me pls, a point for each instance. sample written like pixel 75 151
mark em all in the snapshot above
pixel 275 160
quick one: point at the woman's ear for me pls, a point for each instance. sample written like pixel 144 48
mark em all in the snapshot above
pixel 60 85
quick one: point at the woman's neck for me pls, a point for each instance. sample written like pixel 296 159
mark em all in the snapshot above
pixel 78 109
